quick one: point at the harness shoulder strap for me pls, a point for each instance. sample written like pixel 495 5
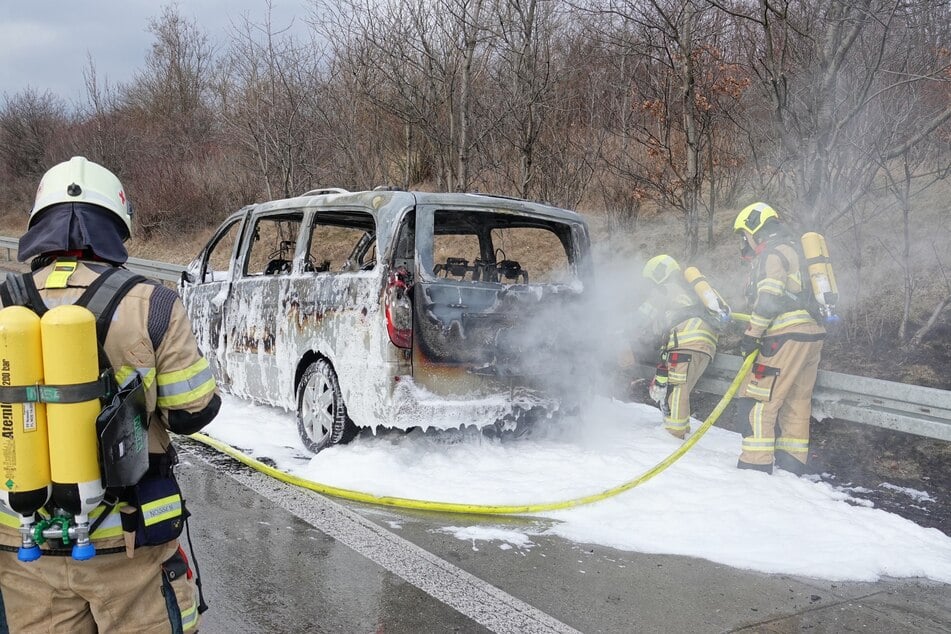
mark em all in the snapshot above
pixel 101 298
pixel 20 290
pixel 5 298
pixel 773 249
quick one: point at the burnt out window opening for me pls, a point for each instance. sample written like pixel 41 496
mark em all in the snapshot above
pixel 363 256
pixel 404 251
pixel 341 242
pixel 457 256
pixel 272 245
pixel 500 247
pixel 220 252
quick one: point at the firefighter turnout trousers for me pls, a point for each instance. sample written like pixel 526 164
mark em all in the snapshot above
pixel 684 369
pixel 775 403
pixel 153 593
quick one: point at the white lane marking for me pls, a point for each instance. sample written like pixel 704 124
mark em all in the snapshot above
pixel 482 602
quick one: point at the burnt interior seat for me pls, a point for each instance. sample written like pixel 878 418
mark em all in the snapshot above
pixel 277 266
pixel 312 266
pixel 510 270
pixel 456 267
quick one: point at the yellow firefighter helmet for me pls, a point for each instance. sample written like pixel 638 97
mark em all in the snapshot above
pixel 659 268
pixel 753 217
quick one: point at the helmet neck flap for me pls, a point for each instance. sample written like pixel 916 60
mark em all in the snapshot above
pixel 67 227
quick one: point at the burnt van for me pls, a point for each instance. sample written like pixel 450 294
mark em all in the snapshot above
pixel 391 309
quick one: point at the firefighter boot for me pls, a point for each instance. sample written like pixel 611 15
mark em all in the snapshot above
pixel 787 462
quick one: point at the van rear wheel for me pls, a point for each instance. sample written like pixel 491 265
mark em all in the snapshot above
pixel 321 413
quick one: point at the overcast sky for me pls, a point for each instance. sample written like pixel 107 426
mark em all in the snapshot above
pixel 44 43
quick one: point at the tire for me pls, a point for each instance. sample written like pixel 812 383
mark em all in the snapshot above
pixel 321 413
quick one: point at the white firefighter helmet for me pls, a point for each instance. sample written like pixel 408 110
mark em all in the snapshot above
pixel 79 180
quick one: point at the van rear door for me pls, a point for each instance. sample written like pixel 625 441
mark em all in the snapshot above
pixel 493 285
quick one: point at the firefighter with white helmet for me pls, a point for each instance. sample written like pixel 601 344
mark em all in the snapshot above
pixel 774 403
pixel 136 577
pixel 688 328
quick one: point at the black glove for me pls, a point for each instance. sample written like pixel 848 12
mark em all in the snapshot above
pixel 748 344
pixel 182 422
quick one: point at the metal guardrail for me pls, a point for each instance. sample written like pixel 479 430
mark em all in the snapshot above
pixel 157 270
pixel 148 268
pixel 11 245
pixel 913 409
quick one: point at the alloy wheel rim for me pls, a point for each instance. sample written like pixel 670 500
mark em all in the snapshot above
pixel 317 410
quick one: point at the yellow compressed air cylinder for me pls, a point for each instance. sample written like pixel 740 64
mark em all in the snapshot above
pixel 820 270
pixel 24 447
pixel 707 294
pixel 70 356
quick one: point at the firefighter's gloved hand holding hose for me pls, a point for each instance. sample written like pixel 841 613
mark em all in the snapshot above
pixel 748 345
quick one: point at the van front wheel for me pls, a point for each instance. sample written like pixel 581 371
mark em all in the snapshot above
pixel 321 413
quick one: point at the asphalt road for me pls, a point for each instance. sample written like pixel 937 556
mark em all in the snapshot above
pixel 276 558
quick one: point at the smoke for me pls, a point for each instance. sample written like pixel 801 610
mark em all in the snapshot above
pixel 591 345
pixel 575 346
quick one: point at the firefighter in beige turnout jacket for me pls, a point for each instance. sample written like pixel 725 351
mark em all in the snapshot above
pixel 675 313
pixel 78 225
pixel 775 401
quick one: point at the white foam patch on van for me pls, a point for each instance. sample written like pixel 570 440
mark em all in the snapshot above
pixel 701 506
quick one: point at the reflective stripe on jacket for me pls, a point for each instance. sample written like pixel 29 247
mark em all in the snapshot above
pixel 675 313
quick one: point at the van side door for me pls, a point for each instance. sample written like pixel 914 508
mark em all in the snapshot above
pixel 254 312
pixel 205 288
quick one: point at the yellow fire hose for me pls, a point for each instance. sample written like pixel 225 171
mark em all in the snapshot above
pixel 488 509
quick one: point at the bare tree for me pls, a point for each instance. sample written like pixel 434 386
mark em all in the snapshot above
pixel 822 68
pixel 107 136
pixel 173 89
pixel 419 61
pixel 269 99
pixel 914 169
pixel 524 79
pixel 667 129
pixel 29 123
pixel 167 109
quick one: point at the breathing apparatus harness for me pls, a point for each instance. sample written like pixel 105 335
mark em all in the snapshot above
pixel 770 246
pixel 143 485
pixel 710 308
pixel 124 472
pixel 101 298
pixel 818 292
